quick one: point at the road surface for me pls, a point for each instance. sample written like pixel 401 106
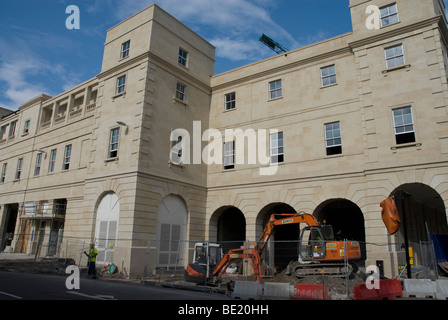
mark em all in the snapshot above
pixel 24 286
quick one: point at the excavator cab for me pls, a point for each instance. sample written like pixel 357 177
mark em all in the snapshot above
pixel 312 242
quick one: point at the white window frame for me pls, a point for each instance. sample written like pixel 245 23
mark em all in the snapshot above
pixel 393 58
pixel 389 14
pixel 67 155
pixel 19 168
pixel 52 161
pixel 229 155
pixel 3 175
pixel 12 129
pixel 38 164
pixel 277 148
pixel 125 47
pixel 114 138
pixel 181 91
pixel 330 76
pixel 2 132
pixel 183 57
pixel 275 91
pixel 26 127
pixel 409 127
pixel 335 140
pixel 121 85
pixel 230 101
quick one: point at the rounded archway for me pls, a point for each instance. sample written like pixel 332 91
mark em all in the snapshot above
pixel 106 229
pixel 346 218
pixel 282 246
pixel 172 216
pixel 425 212
pixel 228 225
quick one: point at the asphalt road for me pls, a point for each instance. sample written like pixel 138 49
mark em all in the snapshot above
pixel 24 286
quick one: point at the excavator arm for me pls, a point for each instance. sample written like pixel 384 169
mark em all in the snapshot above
pixel 255 253
pixel 220 269
pixel 286 218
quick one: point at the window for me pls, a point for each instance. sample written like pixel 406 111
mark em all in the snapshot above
pixel 176 151
pixel 404 125
pixel 183 55
pixel 52 161
pixel 3 176
pixel 277 152
pixel 394 56
pixel 38 164
pixel 113 144
pixel 275 89
pixel 333 141
pixel 121 84
pixel 67 154
pixel 2 132
pixel 26 128
pixel 389 15
pixel 60 207
pixel 181 92
pixel 229 155
pixel 328 75
pixel 230 103
pixel 19 168
pixel 125 49
pixel 12 129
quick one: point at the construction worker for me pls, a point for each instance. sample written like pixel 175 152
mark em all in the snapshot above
pixel 91 259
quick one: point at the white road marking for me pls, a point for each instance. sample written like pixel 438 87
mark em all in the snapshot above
pixel 99 297
pixel 10 295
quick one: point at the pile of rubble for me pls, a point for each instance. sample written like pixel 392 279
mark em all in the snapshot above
pixel 41 266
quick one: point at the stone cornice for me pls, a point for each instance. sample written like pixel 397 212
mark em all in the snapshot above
pixel 394 32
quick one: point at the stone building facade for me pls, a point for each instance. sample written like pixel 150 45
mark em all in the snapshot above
pixel 133 157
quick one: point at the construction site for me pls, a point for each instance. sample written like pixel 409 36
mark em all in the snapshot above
pixel 325 269
pixel 330 182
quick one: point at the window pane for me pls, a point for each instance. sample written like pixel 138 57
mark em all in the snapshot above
pixel 333 135
pixel 275 89
pixel 404 125
pixel 276 148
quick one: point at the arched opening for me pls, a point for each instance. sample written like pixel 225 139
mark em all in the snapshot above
pixel 171 231
pixel 229 224
pixel 346 218
pixel 425 212
pixel 282 246
pixel 106 230
pixel 9 224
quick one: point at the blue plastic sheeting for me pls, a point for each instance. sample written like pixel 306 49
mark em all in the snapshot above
pixel 440 246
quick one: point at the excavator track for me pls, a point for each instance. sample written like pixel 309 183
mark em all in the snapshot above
pixel 301 270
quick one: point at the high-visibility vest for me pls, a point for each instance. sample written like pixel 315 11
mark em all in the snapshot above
pixel 92 254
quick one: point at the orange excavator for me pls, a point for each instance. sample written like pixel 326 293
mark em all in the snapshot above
pixel 319 253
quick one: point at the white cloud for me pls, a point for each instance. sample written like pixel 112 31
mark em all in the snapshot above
pixel 14 73
pixel 233 26
pixel 236 50
pixel 22 69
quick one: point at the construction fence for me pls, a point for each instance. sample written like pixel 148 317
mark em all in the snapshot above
pixel 158 258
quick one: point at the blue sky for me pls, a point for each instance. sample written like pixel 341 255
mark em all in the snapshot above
pixel 38 54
